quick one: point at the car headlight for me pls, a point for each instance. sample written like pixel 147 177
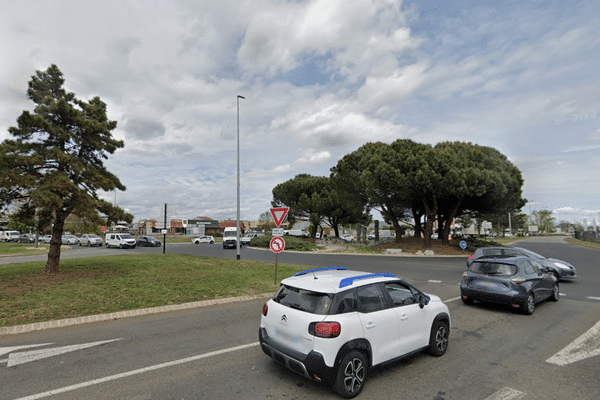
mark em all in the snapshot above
pixel 561 265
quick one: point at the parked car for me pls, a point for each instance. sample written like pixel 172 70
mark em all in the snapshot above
pixel 69 239
pixel 46 239
pixel 332 325
pixel 520 282
pixel 26 238
pixel 9 236
pixel 120 240
pixel 562 270
pixel 247 238
pixel 203 239
pixel 90 240
pixel 148 241
pixel 347 237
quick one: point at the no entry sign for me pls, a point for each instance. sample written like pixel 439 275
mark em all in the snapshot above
pixel 277 244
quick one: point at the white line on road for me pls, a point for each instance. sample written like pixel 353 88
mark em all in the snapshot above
pixel 4 350
pixel 34 355
pixel 135 372
pixel 585 346
pixel 452 299
pixel 593 298
pixel 434 281
pixel 507 394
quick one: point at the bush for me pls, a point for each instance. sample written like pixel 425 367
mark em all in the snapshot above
pixel 291 243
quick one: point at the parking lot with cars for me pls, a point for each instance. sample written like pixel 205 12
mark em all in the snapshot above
pixel 494 351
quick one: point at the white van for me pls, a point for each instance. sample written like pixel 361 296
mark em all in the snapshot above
pixel 295 232
pixel 230 237
pixel 120 240
pixel 9 236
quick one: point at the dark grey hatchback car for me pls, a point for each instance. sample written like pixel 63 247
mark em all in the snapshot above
pixel 520 282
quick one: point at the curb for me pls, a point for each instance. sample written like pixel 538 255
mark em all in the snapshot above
pixel 38 326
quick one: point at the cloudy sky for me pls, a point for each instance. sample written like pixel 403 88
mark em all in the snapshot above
pixel 320 79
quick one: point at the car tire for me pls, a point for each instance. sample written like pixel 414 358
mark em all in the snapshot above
pixel 555 293
pixel 120 245
pixel 212 241
pixel 528 306
pixel 438 344
pixel 351 375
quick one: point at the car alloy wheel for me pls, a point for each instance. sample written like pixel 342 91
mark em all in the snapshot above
pixel 555 293
pixel 529 305
pixel 439 339
pixel 351 375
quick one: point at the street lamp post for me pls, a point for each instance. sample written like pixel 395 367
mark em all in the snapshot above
pixel 238 178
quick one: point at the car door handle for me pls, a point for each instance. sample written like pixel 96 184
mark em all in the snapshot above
pixel 403 317
pixel 370 325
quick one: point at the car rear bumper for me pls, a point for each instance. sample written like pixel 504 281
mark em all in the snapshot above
pixel 511 297
pixel 311 365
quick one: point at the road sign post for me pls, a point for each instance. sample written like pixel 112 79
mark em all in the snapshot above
pixel 277 244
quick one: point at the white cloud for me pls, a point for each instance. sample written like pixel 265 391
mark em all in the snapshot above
pixel 321 78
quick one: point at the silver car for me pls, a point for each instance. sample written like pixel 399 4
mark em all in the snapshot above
pixel 69 239
pixel 90 240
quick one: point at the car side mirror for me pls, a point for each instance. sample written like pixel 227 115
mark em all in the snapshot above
pixel 422 301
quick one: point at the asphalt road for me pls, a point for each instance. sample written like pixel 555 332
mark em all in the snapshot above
pixel 212 353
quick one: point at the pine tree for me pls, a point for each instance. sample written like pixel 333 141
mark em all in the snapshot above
pixel 55 163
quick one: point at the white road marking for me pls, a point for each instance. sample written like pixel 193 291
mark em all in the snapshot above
pixel 33 355
pixel 585 346
pixel 507 394
pixel 434 281
pixel 4 350
pixel 135 372
pixel 593 298
pixel 452 299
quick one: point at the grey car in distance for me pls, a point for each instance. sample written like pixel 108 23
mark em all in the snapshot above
pixel 562 270
pixel 519 282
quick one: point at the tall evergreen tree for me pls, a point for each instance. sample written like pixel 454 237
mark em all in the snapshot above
pixel 55 162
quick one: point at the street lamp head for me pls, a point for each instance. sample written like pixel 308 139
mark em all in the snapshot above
pixel 240 97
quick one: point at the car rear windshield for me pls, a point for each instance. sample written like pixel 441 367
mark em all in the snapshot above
pixel 304 300
pixel 489 268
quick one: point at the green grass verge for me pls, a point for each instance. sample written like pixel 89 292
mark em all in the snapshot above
pixel 595 245
pixel 108 284
pixel 13 249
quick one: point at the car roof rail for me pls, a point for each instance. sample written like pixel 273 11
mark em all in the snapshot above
pixel 308 271
pixel 349 281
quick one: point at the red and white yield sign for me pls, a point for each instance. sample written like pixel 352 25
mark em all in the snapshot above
pixel 277 244
pixel 279 214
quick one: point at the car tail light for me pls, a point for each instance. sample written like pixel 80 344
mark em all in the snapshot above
pixel 470 257
pixel 518 280
pixel 265 310
pixel 328 330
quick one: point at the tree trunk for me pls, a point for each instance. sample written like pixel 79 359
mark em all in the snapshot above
pixel 387 213
pixel 418 226
pixel 54 253
pixel 448 222
pixel 430 212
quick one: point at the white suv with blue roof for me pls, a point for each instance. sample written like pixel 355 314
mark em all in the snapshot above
pixel 332 325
